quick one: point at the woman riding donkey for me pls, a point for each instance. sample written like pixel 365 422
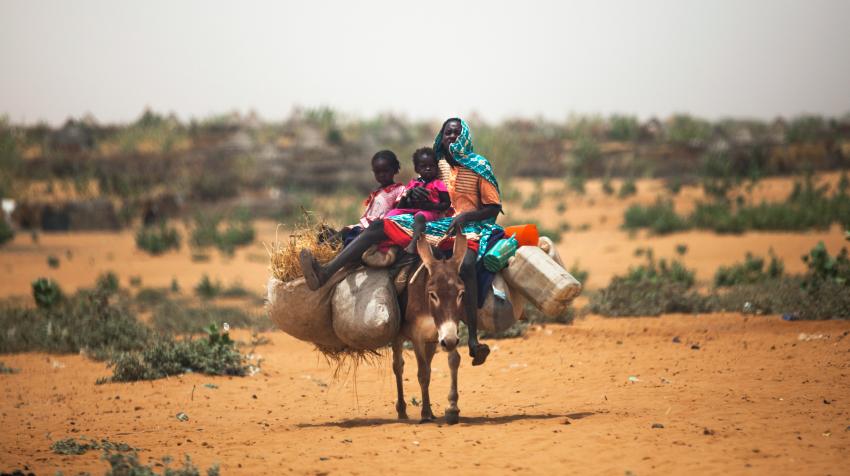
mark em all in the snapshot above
pixel 475 198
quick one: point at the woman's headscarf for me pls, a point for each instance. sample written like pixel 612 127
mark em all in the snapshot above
pixel 464 154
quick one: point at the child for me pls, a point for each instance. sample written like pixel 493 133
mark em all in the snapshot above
pixel 385 166
pixel 438 203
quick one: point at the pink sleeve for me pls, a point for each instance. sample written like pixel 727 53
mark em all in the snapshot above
pixel 440 186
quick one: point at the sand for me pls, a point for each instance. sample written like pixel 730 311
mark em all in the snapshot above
pixel 753 398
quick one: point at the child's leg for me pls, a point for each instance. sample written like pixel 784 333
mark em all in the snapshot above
pixel 418 229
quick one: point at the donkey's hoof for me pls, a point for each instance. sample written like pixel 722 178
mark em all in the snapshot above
pixel 427 419
pixel 402 416
pixel 479 354
pixel 452 416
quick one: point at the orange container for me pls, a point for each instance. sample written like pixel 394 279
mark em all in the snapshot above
pixel 526 235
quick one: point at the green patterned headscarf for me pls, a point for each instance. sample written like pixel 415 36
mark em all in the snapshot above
pixel 464 153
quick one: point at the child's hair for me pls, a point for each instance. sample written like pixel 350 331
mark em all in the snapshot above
pixel 423 152
pixel 389 156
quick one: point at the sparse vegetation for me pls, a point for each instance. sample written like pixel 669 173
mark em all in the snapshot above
pixel 72 446
pixel 660 218
pixel 752 270
pixel 650 289
pixel 6 232
pixel 207 231
pixel 127 464
pixel 206 288
pixel 215 355
pixel 628 188
pixel 157 239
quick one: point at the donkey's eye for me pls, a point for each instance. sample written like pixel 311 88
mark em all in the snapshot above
pixel 433 296
pixel 460 296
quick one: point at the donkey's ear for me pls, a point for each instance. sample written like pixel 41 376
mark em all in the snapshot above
pixel 425 253
pixel 459 250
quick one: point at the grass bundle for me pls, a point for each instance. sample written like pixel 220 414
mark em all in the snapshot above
pixel 309 234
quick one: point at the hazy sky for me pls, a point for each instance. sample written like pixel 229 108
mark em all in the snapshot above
pixel 424 59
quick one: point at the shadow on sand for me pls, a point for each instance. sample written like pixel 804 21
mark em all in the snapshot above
pixel 476 420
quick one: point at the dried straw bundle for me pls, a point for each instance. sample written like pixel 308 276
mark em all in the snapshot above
pixel 283 256
pixel 346 361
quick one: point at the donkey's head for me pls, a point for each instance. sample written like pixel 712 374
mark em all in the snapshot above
pixel 444 290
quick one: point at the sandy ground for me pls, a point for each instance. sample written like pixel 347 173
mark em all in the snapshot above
pixel 753 398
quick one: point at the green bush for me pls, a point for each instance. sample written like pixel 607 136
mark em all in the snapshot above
pixel 107 282
pixel 607 188
pixel 628 188
pixel 822 267
pixel 206 288
pixel 6 232
pixel 660 218
pixel 53 261
pixel 239 231
pixel 650 289
pixel 93 321
pixel 71 446
pixel 752 270
pixel 46 293
pixel 215 355
pixel 623 128
pixel 127 464
pixel 174 317
pixel 157 239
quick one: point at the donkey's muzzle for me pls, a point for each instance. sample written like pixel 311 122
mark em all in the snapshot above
pixel 449 343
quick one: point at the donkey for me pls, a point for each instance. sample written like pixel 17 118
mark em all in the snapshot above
pixel 434 308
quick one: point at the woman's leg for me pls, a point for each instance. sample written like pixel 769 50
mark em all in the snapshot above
pixel 317 275
pixel 477 351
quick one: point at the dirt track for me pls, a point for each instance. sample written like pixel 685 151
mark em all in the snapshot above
pixel 753 398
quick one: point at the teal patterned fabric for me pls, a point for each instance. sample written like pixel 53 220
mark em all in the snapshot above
pixel 464 153
pixel 435 231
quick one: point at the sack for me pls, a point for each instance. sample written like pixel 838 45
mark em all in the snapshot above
pixel 501 309
pixel 374 258
pixel 365 309
pixel 302 313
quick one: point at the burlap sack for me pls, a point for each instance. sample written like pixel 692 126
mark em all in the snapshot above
pixel 302 313
pixel 502 308
pixel 365 309
pixel 375 258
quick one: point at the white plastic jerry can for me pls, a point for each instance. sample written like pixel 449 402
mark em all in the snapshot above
pixel 544 282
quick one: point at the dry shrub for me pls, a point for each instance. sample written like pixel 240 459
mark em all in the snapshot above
pixel 308 234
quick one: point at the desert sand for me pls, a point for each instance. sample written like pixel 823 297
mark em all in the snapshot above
pixel 736 395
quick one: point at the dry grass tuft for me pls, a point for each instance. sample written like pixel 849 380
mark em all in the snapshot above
pixel 346 361
pixel 283 257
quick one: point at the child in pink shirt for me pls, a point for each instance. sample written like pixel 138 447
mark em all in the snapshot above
pixel 438 203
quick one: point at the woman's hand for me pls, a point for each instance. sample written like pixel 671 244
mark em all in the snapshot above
pixel 457 223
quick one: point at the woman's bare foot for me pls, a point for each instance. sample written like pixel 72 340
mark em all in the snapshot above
pixel 311 270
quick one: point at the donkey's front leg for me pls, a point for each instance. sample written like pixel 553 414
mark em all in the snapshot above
pixel 424 355
pixel 398 370
pixel 453 412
